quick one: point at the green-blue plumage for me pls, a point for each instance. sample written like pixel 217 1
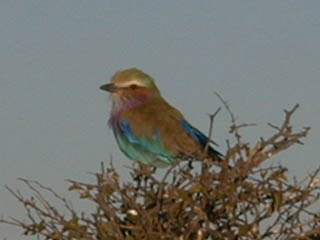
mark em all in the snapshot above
pixel 148 151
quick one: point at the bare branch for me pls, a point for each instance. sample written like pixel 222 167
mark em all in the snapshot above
pixel 243 201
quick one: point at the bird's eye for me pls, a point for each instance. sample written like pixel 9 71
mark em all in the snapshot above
pixel 133 86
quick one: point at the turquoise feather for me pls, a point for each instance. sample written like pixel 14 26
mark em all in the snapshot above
pixel 151 152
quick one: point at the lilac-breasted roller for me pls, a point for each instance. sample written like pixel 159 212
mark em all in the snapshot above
pixel 146 127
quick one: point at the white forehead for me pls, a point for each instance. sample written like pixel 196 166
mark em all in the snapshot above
pixel 130 82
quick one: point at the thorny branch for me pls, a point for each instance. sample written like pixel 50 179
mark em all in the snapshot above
pixel 243 201
pixel 212 118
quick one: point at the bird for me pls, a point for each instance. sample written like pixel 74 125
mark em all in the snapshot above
pixel 147 128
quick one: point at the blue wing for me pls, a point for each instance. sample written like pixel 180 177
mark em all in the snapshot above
pixel 195 133
pixel 198 136
pixel 127 131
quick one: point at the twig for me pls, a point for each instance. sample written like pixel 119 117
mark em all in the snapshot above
pixel 212 117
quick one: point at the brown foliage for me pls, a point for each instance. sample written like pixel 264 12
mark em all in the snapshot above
pixel 239 199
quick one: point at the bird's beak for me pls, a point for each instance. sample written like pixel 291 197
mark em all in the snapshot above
pixel 110 87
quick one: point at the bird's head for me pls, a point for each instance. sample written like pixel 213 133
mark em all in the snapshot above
pixel 129 85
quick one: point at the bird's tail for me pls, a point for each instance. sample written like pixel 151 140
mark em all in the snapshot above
pixel 216 157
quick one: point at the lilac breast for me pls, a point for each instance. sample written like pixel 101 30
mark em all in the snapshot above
pixel 125 105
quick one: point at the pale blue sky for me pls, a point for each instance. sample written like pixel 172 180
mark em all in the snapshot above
pixel 261 56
